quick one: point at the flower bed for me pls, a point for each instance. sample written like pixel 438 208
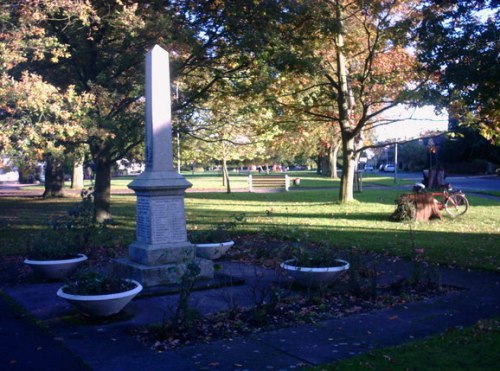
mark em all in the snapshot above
pixel 289 304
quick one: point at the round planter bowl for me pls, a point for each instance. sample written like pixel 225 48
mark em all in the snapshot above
pixel 56 269
pixel 314 277
pixel 101 305
pixel 212 250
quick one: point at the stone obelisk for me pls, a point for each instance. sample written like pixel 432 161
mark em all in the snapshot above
pixel 161 251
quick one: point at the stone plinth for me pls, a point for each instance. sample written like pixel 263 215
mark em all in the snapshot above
pixel 158 275
pixel 161 236
pixel 161 252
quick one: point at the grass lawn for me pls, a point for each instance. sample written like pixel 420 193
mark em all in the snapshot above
pixel 457 349
pixel 213 180
pixel 469 241
pixel 492 193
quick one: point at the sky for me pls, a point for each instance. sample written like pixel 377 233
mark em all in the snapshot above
pixel 416 121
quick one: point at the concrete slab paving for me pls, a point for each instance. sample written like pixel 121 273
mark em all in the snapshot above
pixel 24 345
pixel 106 345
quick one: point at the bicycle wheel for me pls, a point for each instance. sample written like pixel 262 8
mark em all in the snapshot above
pixel 456 205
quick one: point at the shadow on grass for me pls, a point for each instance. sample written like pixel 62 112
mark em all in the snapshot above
pixel 217 216
pixel 462 243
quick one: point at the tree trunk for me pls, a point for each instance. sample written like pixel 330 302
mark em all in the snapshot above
pixel 77 178
pixel 333 154
pixel 345 103
pixel 225 175
pixel 54 178
pixel 346 193
pixel 325 165
pixel 318 164
pixel 335 174
pixel 102 188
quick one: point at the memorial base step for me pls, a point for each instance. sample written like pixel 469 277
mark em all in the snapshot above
pixel 161 275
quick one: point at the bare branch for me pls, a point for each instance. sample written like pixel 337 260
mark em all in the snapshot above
pixel 392 142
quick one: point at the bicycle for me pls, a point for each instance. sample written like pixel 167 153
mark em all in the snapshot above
pixel 454 202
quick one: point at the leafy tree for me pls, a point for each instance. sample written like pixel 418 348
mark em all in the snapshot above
pixel 352 63
pixel 413 156
pixel 36 116
pixel 458 44
pixel 98 47
pixel 227 128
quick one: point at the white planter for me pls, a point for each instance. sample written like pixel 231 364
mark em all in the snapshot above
pixel 212 250
pixel 56 269
pixel 314 277
pixel 101 305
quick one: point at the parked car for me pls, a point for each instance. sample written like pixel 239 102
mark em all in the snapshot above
pixel 389 168
pixel 369 168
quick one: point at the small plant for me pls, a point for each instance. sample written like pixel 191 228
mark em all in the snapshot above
pixel 296 245
pixel 220 233
pixel 70 234
pixel 308 254
pixel 184 314
pixel 319 257
pixel 92 282
pixel 87 231
pixel 424 275
pixel 362 280
pixel 54 243
pixel 405 210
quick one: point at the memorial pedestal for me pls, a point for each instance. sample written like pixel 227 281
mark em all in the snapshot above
pixel 161 252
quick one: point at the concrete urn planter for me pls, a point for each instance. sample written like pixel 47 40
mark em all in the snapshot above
pixel 212 250
pixel 56 269
pixel 101 305
pixel 312 276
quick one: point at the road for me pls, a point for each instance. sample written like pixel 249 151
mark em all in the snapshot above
pixel 476 183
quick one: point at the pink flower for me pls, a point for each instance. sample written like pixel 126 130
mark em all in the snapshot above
pixel 419 251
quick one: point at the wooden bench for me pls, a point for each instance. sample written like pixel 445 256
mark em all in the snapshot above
pixel 263 182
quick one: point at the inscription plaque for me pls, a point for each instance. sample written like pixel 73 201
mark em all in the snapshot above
pixel 160 220
pixel 143 225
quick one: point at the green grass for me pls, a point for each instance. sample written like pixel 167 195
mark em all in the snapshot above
pixel 469 241
pixel 473 348
pixel 385 180
pixel 213 180
pixel 491 193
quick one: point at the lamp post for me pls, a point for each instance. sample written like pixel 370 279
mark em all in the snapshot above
pixel 178 152
pixel 178 134
pixel 396 161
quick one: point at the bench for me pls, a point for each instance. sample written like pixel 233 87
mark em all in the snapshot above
pixel 263 182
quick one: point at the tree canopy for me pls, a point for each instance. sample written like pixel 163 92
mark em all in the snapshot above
pixel 349 62
pixel 72 73
pixel 458 44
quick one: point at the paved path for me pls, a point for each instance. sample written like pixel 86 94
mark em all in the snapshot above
pixel 16 190
pixel 74 341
